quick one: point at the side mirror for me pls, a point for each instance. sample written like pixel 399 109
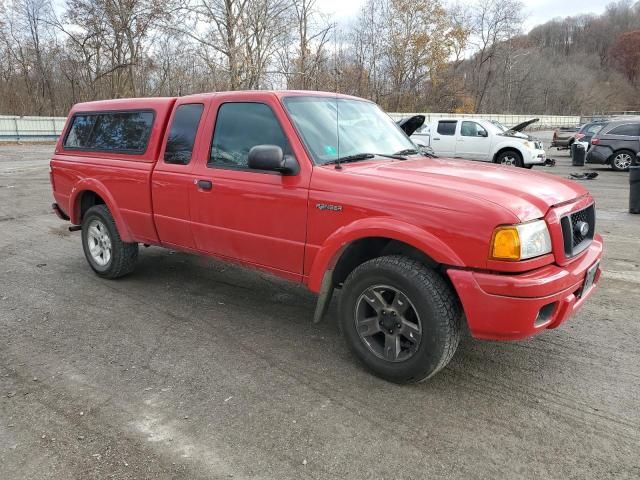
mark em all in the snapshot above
pixel 483 133
pixel 271 158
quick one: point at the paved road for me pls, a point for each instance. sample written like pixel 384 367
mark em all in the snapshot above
pixel 192 369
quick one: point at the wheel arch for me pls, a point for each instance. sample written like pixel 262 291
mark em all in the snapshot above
pixel 507 148
pixel 371 238
pixel 90 192
pixel 617 151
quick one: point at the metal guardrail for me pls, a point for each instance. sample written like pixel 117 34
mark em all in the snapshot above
pixel 31 128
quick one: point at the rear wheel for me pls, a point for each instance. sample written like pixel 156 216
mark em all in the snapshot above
pixel 511 158
pixel 400 318
pixel 622 160
pixel 105 251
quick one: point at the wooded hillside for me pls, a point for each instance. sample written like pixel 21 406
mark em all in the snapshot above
pixel 403 54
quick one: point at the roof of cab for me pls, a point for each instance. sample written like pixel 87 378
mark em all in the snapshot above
pixel 162 103
pixel 276 93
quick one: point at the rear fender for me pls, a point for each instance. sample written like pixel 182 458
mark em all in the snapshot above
pixel 93 185
pixel 382 227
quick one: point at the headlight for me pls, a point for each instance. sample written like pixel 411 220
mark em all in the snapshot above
pixel 520 242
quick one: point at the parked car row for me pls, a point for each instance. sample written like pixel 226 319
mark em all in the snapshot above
pixel 613 142
pixel 482 140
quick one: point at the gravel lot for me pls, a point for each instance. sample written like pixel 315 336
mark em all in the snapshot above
pixel 191 368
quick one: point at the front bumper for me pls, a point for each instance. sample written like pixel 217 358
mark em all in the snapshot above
pixel 512 307
pixel 536 157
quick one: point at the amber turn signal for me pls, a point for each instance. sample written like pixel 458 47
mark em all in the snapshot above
pixel 506 244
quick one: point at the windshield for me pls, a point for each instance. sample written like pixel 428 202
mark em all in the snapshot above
pixel 333 128
pixel 500 127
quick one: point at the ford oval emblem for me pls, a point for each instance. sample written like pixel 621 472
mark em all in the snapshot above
pixel 582 228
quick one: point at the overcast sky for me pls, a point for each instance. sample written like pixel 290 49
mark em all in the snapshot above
pixel 537 11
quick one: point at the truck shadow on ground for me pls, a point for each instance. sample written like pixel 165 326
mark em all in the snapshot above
pixel 279 314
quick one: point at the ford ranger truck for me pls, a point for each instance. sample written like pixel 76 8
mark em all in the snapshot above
pixel 326 190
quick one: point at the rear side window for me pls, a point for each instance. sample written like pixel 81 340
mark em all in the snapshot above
pixel 240 127
pixel 126 132
pixel 183 133
pixel 447 127
pixel 593 129
pixel 629 130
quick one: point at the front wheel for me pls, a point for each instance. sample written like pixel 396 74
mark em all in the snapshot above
pixel 400 318
pixel 105 251
pixel 622 160
pixel 510 158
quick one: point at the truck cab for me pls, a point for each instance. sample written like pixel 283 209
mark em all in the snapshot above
pixel 327 191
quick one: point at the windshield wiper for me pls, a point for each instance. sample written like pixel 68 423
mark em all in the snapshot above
pixel 362 156
pixel 407 151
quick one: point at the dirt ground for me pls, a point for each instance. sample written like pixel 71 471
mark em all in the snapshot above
pixel 193 369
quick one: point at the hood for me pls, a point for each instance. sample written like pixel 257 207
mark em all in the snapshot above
pixel 411 124
pixel 521 126
pixel 528 195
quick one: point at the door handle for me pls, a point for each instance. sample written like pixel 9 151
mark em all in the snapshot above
pixel 204 184
pixel 436 138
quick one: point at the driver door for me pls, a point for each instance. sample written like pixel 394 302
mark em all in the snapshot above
pixel 255 217
pixel 473 143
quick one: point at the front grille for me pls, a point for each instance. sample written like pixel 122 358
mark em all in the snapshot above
pixel 576 241
pixel 538 145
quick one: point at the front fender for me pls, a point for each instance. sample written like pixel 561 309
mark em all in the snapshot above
pixel 93 185
pixel 384 227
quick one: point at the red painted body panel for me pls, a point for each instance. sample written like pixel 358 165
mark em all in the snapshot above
pixel 505 307
pixel 447 209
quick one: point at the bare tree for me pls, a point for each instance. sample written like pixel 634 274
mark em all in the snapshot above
pixel 494 23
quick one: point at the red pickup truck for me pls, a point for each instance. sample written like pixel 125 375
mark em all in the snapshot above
pixel 326 190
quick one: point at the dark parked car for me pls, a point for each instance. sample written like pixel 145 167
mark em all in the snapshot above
pixel 616 144
pixel 588 130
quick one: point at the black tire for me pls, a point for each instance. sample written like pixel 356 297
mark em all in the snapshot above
pixel 615 164
pixel 514 155
pixel 123 256
pixel 438 313
pixel 530 166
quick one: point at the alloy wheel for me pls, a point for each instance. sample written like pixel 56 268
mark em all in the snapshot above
pixel 99 242
pixel 388 323
pixel 622 161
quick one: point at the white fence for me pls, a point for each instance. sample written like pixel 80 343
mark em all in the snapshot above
pixel 49 128
pixel 546 121
pixel 19 129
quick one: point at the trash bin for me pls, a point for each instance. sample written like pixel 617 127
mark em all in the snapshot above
pixel 634 186
pixel 577 154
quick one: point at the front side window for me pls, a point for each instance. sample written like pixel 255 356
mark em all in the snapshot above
pixel 629 130
pixel 183 133
pixel 447 127
pixel 472 129
pixel 239 128
pixel 110 131
pixel 333 127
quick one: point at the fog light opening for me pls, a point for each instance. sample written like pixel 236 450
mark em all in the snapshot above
pixel 545 314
